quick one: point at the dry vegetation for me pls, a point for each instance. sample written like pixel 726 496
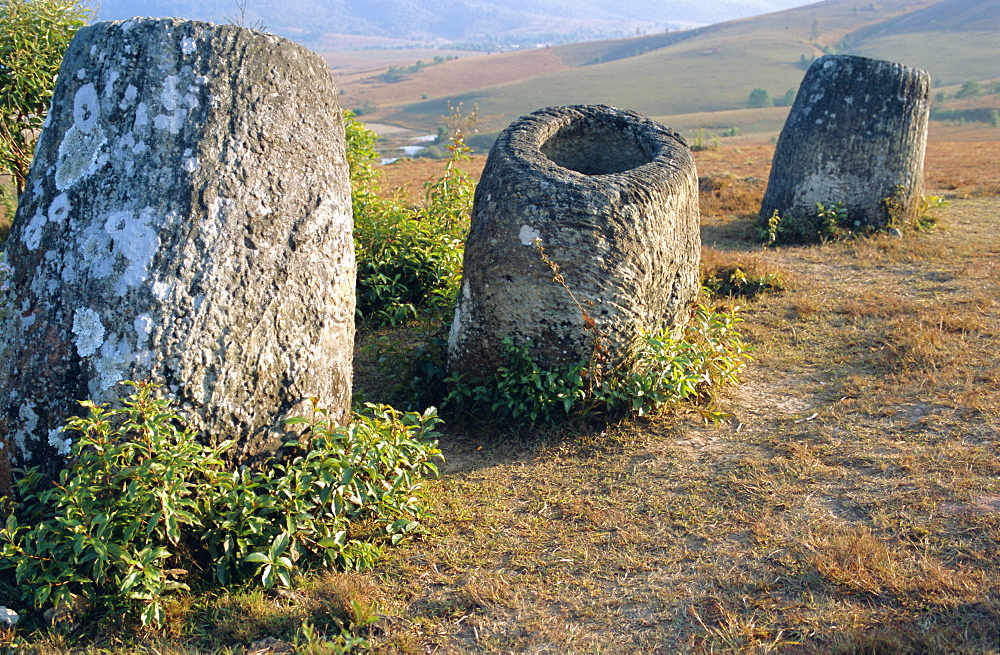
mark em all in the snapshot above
pixel 851 503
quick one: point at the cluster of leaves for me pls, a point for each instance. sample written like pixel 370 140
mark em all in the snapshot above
pixel 409 258
pixel 145 509
pixel 743 282
pixel 34 34
pixel 828 223
pixel 665 370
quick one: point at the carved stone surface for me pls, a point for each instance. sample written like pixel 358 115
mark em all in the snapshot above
pixel 612 198
pixel 856 134
pixel 187 218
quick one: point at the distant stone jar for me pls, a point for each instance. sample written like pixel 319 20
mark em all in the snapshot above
pixel 608 197
pixel 187 219
pixel 856 135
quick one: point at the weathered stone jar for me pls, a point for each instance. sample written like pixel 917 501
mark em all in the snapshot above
pixel 187 218
pixel 856 134
pixel 608 196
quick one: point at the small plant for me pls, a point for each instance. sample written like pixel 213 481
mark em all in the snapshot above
pixel 240 19
pixel 409 259
pixel 665 370
pixel 830 222
pixel 923 218
pixel 144 509
pixel 310 641
pixel 741 281
pixel 832 219
pixel 698 143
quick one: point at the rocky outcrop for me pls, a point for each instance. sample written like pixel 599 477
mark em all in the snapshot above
pixel 187 218
pixel 856 134
pixel 607 197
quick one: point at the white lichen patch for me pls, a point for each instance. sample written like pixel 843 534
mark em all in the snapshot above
pixel 111 365
pixel 59 209
pixel 171 122
pixel 143 325
pixel 94 245
pixel 32 235
pixel 62 444
pixel 528 235
pixel 109 84
pixel 86 108
pixel 69 271
pixel 89 331
pixel 161 289
pixel 29 423
pixel 131 92
pixel 141 115
pixel 188 45
pixel 134 239
pixel 79 156
pixel 176 103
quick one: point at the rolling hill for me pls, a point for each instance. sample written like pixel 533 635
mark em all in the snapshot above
pixel 709 69
pixel 484 23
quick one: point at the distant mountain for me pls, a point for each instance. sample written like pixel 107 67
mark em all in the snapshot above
pixel 482 23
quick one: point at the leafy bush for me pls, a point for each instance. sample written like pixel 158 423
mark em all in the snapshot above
pixel 145 509
pixel 665 370
pixel 33 37
pixel 740 281
pixel 828 223
pixel 759 98
pixel 409 259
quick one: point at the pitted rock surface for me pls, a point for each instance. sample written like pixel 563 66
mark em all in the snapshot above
pixel 856 134
pixel 187 219
pixel 611 197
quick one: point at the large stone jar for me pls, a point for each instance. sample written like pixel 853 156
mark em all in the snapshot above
pixel 856 135
pixel 187 219
pixel 585 235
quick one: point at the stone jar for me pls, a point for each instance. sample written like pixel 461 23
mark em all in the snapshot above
pixel 187 219
pixel 856 134
pixel 585 236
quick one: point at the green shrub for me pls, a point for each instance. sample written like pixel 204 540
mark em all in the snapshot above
pixel 665 370
pixel 33 37
pixel 409 259
pixel 740 281
pixel 829 223
pixel 145 509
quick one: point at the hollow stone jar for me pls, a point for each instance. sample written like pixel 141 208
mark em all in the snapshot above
pixel 607 198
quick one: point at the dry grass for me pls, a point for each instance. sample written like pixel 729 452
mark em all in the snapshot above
pixel 851 504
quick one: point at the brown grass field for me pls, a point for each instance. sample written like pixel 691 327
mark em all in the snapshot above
pixel 850 504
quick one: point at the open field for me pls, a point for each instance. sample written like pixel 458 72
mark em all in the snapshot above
pixel 849 504
pixel 960 160
pixel 682 74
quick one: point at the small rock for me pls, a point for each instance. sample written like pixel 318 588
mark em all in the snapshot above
pixel 269 645
pixel 67 612
pixel 894 232
pixel 8 617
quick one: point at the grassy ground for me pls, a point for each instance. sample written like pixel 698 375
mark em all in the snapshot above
pixel 851 504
